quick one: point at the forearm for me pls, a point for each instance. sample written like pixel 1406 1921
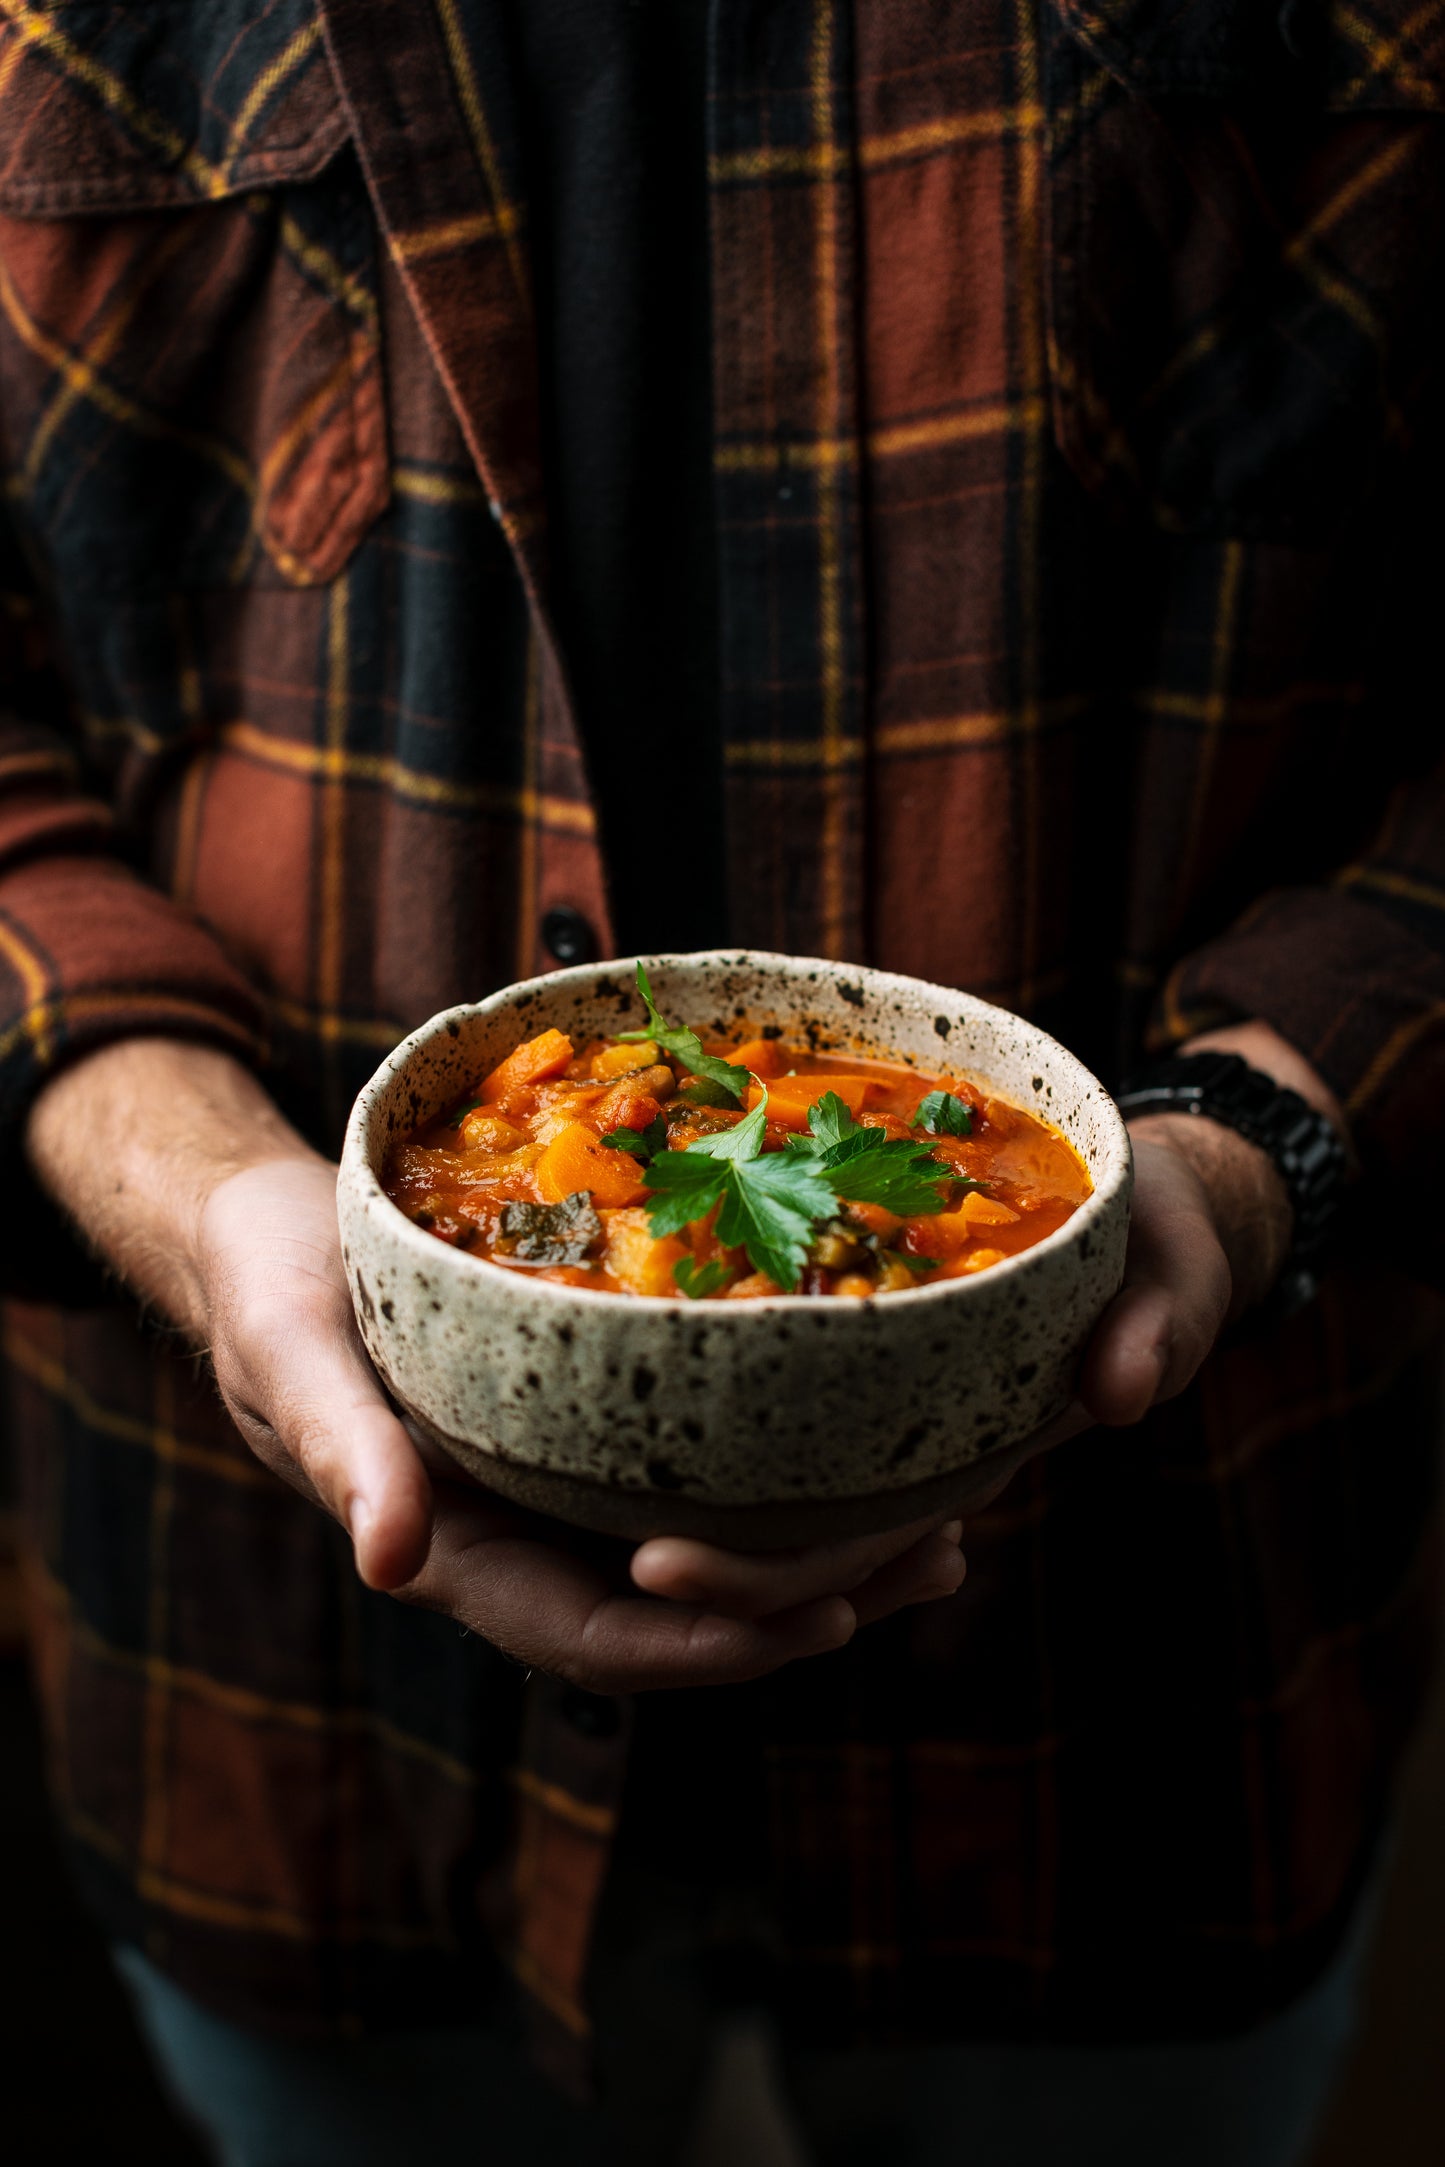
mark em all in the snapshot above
pixel 132 1140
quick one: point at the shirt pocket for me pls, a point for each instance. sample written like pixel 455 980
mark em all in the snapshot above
pixel 1247 225
pixel 191 389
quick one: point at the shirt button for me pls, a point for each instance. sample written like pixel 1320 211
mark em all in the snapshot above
pixel 590 1714
pixel 567 936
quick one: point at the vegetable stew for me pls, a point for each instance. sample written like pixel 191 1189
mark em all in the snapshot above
pixel 651 1163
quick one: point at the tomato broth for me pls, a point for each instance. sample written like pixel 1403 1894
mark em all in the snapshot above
pixel 663 1165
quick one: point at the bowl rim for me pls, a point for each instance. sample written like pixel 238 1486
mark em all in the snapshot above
pixel 355 1164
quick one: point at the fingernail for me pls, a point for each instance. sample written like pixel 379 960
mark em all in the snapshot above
pixel 359 1517
pixel 952 1531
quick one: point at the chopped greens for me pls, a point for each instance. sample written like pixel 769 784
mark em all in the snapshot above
pixel 550 1234
pixel 944 1115
pixel 685 1046
pixel 867 1167
pixel 770 1203
pixel 702 1093
pixel 697 1280
pixel 642 1143
pixel 767 1203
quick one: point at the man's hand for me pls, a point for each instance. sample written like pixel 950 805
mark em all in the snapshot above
pixel 189 1182
pixel 1211 1227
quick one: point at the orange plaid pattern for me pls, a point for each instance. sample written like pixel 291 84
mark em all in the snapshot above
pixel 1076 395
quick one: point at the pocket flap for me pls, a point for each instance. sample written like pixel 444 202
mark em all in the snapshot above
pixel 1347 54
pixel 118 107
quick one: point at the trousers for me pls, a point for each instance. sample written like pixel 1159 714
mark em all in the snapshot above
pixel 685 2092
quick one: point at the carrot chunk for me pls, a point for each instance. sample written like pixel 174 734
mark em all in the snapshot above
pixel 576 1160
pixel 789 1097
pixel 531 1063
pixel 764 1056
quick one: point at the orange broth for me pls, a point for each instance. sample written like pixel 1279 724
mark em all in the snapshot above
pixel 530 1135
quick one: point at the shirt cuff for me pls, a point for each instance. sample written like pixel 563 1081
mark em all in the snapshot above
pixel 1362 997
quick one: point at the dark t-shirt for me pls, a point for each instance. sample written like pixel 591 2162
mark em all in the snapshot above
pixel 614 137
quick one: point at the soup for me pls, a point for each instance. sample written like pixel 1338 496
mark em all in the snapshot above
pixel 652 1163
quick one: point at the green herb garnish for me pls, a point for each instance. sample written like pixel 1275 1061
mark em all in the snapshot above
pixel 941 1114
pixel 702 1093
pixel 642 1143
pixel 696 1279
pixel 769 1202
pixel 550 1234
pixel 865 1166
pixel 685 1046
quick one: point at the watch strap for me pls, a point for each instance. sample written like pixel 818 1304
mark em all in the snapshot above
pixel 1303 1145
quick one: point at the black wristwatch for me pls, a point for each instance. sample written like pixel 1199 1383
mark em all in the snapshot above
pixel 1301 1142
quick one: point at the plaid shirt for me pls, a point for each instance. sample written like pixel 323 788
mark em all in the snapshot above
pixel 1077 397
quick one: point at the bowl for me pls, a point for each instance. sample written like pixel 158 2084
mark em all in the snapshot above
pixel 757 1423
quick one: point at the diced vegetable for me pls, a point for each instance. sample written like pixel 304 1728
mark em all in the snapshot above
pixel 763 1056
pixel 541 1057
pixel 628 1105
pixel 632 1168
pixel 483 1131
pixel 981 1210
pixel 624 1060
pixel 577 1159
pixel 789 1097
pixel 639 1262
pixel 549 1235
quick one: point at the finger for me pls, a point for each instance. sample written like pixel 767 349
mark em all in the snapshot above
pixel 929 1572
pixel 1157 1331
pixel 550 1610
pixel 318 1416
pixel 761 1584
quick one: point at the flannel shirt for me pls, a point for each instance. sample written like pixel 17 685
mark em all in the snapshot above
pixel 1077 449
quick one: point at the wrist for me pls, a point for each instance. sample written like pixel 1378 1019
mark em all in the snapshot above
pixel 133 1140
pixel 1244 1194
pixel 1264 1158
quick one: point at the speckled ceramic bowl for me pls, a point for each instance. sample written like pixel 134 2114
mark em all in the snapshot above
pixel 756 1423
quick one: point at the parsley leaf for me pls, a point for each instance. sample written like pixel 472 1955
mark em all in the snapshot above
pixel 867 1167
pixel 702 1093
pixel 944 1115
pixel 904 1177
pixel 740 1140
pixel 769 1201
pixel 685 1046
pixel 696 1279
pixel 644 1144
pixel 684 1187
pixel 769 1208
pixel 830 1121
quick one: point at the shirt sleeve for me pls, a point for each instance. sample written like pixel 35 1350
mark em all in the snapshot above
pixel 1352 973
pixel 89 951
